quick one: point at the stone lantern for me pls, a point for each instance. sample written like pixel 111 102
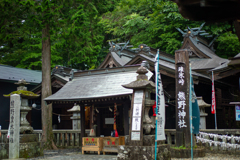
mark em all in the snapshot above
pixel 76 118
pixel 140 144
pixel 141 106
pixel 203 114
pixel 24 109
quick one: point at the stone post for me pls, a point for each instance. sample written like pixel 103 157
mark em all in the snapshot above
pixel 15 103
pixel 76 118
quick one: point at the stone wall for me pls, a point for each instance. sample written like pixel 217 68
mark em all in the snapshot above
pixel 144 152
pixel 186 153
pixel 28 147
pixel 219 149
pixel 148 140
pixel 27 150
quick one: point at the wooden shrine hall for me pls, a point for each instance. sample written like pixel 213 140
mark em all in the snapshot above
pixel 99 90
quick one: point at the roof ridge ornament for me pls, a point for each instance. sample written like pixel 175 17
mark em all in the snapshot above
pixel 117 48
pixel 59 70
pixel 198 35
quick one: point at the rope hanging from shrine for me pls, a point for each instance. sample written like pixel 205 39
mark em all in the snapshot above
pixel 202 138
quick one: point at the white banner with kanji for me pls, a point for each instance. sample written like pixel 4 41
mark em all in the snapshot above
pixel 160 105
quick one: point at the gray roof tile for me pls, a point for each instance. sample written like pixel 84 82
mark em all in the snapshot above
pixel 95 86
pixel 10 73
pixel 121 61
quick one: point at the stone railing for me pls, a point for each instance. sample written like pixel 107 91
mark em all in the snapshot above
pixel 71 138
pixel 62 138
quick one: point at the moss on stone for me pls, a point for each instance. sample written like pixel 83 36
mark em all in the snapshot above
pixel 26 93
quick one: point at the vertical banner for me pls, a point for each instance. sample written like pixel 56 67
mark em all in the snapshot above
pixel 213 108
pixel 160 102
pixel 195 110
pixel 237 109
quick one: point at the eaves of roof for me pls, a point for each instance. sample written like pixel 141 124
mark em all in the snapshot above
pixel 55 76
pixel 97 84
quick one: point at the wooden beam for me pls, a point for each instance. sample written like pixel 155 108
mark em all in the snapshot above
pixel 126 118
pixel 82 121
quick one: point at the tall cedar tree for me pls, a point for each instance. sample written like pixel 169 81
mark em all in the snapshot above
pixel 47 135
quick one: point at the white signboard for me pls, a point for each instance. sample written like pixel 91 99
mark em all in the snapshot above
pixel 109 120
pixel 135 136
pixel 137 110
pixel 136 123
pixel 138 96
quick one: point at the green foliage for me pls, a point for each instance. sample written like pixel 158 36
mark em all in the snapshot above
pixel 228 45
pixel 76 36
pixel 180 147
pixel 26 93
pixel 154 23
pixel 79 30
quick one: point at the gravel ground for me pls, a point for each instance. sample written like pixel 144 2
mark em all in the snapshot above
pixel 210 156
pixel 76 154
pixel 73 154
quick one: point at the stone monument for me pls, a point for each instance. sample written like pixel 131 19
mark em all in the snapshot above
pixel 14 126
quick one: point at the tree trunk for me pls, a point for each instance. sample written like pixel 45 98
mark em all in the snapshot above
pixel 47 135
pixel 236 24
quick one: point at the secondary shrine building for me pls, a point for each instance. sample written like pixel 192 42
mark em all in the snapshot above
pixel 96 91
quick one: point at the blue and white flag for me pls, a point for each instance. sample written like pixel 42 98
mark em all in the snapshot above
pixel 160 102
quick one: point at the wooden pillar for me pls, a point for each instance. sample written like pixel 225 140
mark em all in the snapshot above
pixel 82 121
pixel 115 117
pixel 91 116
pixel 126 118
pixel 236 24
pixel 98 131
pixel 182 77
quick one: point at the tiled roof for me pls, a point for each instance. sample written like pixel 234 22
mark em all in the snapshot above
pixel 237 56
pixel 170 65
pixel 99 83
pixel 119 60
pixel 203 64
pixel 10 73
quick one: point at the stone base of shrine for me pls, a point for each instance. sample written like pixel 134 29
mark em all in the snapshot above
pixel 186 153
pixel 28 147
pixel 144 152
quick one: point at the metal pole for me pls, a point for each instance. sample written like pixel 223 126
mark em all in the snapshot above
pixel 215 104
pixel 190 109
pixel 157 72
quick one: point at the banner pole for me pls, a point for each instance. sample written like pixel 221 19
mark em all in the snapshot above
pixel 190 109
pixel 156 102
pixel 215 103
